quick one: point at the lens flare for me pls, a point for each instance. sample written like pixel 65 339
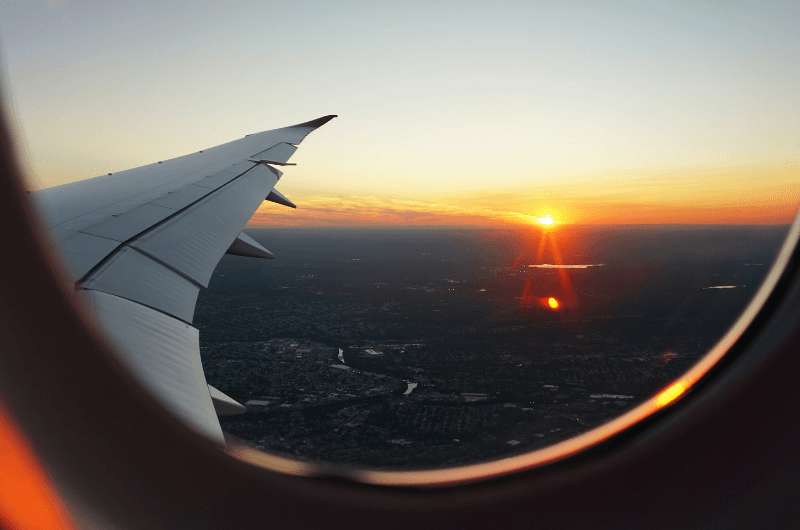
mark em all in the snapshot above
pixel 553 303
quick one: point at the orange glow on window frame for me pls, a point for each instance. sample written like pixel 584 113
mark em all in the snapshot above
pixel 27 499
pixel 671 393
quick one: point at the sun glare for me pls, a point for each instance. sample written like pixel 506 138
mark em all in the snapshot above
pixel 546 221
pixel 553 303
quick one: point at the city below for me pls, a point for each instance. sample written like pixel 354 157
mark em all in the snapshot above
pixel 414 348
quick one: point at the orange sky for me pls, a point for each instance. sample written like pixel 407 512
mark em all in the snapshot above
pixel 370 211
pixel 732 196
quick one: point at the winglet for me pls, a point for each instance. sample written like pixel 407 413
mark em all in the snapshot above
pixel 319 122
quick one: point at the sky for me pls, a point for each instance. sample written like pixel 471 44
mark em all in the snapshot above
pixel 451 113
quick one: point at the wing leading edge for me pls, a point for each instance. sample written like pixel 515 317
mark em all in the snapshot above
pixel 141 243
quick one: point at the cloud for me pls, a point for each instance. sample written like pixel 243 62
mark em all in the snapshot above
pixel 369 210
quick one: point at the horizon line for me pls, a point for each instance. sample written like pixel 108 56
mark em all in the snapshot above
pixel 510 226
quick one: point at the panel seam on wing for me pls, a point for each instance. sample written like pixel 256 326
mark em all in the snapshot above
pixel 176 213
pixel 165 265
pixel 154 308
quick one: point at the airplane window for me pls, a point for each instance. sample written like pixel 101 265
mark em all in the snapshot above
pixel 527 223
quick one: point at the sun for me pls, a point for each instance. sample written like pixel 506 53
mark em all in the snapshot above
pixel 546 221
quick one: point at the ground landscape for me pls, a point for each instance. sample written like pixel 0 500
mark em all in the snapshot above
pixel 417 348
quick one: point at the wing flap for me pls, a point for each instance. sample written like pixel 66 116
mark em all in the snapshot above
pixel 163 353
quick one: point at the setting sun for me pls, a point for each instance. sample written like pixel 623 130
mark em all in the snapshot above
pixel 553 303
pixel 546 221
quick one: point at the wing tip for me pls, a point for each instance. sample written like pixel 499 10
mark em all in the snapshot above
pixel 319 122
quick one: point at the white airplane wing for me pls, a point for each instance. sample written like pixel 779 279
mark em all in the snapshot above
pixel 141 243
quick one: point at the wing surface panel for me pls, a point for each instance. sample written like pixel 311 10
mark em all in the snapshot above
pixel 81 251
pixel 132 275
pixel 279 153
pixel 220 178
pixel 194 241
pixel 122 227
pixel 182 197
